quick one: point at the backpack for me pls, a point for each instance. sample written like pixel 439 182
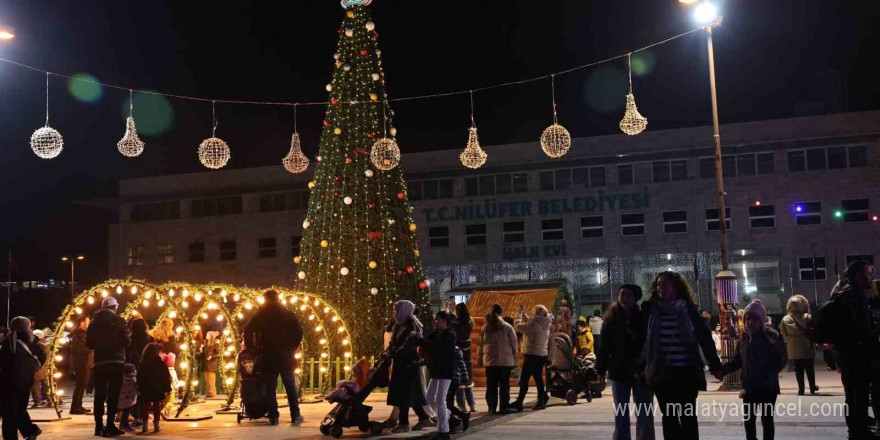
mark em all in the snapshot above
pixel 828 322
pixel 24 365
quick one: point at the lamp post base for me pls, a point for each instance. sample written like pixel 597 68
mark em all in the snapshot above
pixel 725 288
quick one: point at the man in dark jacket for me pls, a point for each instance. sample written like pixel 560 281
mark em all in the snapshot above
pixel 81 364
pixel 858 349
pixel 108 336
pixel 20 356
pixel 274 334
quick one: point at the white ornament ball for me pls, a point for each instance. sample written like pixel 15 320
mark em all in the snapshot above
pixel 375 77
pixel 368 173
pixel 301 275
pixel 347 200
pixel 391 221
pixel 349 32
pixel 329 87
pixel 47 143
pixel 370 25
pixel 346 67
pixel 374 291
pixel 319 158
pixel 335 56
pixel 427 283
pixel 306 224
pixel 393 131
pixel 343 271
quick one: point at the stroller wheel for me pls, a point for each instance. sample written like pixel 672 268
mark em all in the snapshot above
pixel 336 431
pixel 325 429
pixel 571 397
pixel 376 428
pixel 239 418
pixel 365 426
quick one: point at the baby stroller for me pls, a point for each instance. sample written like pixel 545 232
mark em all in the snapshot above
pixel 253 396
pixel 568 376
pixel 350 409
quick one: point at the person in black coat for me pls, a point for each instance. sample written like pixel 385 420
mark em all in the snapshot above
pixel 405 390
pixel 621 357
pixel 464 326
pixel 440 345
pixel 20 356
pixel 274 334
pixel 140 337
pixel 108 336
pixel 154 384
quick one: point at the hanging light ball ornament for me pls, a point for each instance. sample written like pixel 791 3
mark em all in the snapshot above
pixel 214 153
pixel 130 145
pixel 473 156
pixel 47 142
pixel 385 154
pixel 295 161
pixel 633 122
pixel 555 141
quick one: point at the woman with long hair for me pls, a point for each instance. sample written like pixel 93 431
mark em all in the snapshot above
pixel 140 337
pixel 536 334
pixel 165 336
pixel 463 327
pixel 497 352
pixel 676 334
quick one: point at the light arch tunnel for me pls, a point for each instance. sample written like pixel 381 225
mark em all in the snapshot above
pixel 218 307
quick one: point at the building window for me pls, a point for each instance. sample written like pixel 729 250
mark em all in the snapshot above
pixel 675 222
pixel 808 213
pixel 545 180
pixel 227 250
pixel 155 211
pixel 196 252
pixel 592 227
pixel 215 206
pixel 816 159
pixel 745 165
pixel 135 256
pixel 624 174
pixel 836 158
pixel 471 187
pixel 855 211
pixel 850 259
pixel 765 163
pixel 551 230
pixel 712 223
pixel 563 179
pixel 797 161
pixel 487 185
pixel 166 253
pixel 812 268
pixel 597 177
pixel 707 167
pixel 632 224
pixel 520 182
pixel 661 171
pixel 266 247
pixel 763 216
pixel 858 157
pixel 475 234
pixel 428 190
pixel 293 200
pixel 431 189
pixel 438 236
pixel 295 243
pixel 413 191
pixel 514 232
pixel 503 183
pixel 666 170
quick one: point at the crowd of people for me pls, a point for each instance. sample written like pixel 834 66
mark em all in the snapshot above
pixel 654 347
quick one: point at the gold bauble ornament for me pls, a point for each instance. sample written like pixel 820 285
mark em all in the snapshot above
pixel 473 156
pixel 555 141
pixel 311 185
pixel 301 275
pixel 412 227
pixel 295 162
pixel 297 259
pixel 337 131
pixel 373 96
pixel 633 122
pixel 385 154
pixel 324 243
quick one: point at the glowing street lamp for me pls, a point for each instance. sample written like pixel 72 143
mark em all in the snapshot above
pixel 72 261
pixel 6 32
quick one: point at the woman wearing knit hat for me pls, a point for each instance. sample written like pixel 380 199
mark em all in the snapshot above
pixel 800 348
pixel 761 356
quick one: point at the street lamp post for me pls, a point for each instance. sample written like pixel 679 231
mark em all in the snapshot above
pixel 72 273
pixel 725 281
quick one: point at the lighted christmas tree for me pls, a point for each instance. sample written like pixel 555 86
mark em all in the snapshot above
pixel 359 247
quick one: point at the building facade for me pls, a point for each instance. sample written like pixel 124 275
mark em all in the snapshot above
pixel 802 200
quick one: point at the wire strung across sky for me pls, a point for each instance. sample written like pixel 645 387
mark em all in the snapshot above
pixel 407 98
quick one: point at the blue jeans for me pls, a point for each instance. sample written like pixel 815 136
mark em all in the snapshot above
pixel 463 393
pixel 269 386
pixel 643 398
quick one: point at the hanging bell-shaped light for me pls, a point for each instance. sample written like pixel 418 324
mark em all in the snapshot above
pixel 473 156
pixel 130 145
pixel 385 154
pixel 633 122
pixel 295 161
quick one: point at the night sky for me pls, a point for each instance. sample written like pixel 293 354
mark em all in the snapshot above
pixel 771 56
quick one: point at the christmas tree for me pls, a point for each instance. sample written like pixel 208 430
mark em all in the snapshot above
pixel 359 248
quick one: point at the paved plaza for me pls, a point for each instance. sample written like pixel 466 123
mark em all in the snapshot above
pixel 559 422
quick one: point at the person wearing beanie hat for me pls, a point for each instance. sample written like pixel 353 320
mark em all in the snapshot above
pixel 109 336
pixel 761 356
pixel 212 352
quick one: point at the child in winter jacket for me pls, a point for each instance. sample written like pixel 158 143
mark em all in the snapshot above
pixel 584 337
pixel 761 356
pixel 154 384
pixel 127 395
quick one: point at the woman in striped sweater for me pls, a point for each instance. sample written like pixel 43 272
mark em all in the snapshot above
pixel 676 334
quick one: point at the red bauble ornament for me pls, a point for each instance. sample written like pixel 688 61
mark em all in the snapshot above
pixel 422 285
pixel 360 151
pixel 371 205
pixel 375 34
pixel 336 193
pixel 334 101
pixel 347 160
pixel 370 134
pixel 337 177
pixel 363 52
pixel 400 195
pixel 326 123
pixel 409 270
